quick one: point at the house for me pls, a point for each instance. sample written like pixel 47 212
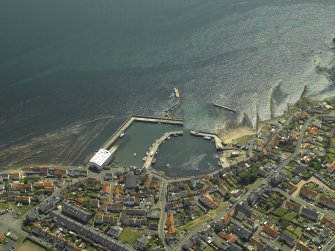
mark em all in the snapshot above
pixel 292 206
pixel 242 211
pixel 76 212
pixel 302 246
pixel 60 172
pixel 2 237
pixel 230 238
pixel 21 187
pixel 242 232
pixel 287 238
pixel 115 231
pixel 208 202
pixel 328 222
pixel 140 243
pixel 310 214
pixel 16 176
pixel 308 193
pixel 170 224
pixel 88 232
pixel 95 203
pixel 235 247
pixel 270 231
pixel 327 202
pixel 257 244
pixel 131 181
pixel 25 200
pixel 5 176
pixel 114 207
pixel 106 188
pixel 101 218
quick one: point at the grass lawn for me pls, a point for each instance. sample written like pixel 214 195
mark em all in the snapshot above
pixel 290 216
pixel 298 231
pixel 209 248
pixel 252 185
pixel 3 205
pixel 280 211
pixel 130 235
pixel 204 218
pixel 243 140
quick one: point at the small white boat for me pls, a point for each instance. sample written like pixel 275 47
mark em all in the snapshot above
pixel 169 137
pixel 168 165
pixel 207 137
pixel 197 169
pixel 144 158
pixel 122 134
pixel 147 153
pixel 134 154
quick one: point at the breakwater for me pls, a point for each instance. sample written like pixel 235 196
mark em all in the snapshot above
pixel 218 141
pixel 152 151
pixel 144 119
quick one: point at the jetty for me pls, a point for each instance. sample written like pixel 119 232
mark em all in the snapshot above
pixel 176 93
pixel 225 107
pixel 155 146
pixel 121 130
pixel 178 101
pixel 206 135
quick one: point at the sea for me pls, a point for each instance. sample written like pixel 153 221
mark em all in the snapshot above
pixel 62 62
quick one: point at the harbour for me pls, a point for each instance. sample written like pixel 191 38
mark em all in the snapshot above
pixel 133 119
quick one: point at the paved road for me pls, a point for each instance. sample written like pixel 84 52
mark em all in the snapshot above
pixel 306 203
pixel 245 195
pixel 162 204
pixel 272 243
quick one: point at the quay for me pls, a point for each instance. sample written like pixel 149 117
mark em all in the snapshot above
pixel 155 146
pixel 108 144
pixel 218 141
pixel 225 107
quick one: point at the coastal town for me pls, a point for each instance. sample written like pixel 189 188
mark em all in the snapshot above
pixel 273 190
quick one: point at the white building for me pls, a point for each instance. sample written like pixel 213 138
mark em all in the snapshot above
pixel 101 159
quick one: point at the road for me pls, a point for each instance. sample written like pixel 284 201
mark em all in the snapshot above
pixel 162 205
pixel 306 203
pixel 245 195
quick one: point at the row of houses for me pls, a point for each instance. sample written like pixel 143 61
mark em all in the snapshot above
pixel 88 232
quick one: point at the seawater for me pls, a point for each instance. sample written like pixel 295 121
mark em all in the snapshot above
pixel 66 61
pixel 184 155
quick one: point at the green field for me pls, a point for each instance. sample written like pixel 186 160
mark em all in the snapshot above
pixel 130 235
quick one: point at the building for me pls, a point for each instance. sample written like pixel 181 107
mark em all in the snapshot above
pixel 310 214
pixel 242 211
pixel 131 181
pixel 270 231
pixel 88 232
pixel 292 206
pixel 302 247
pixel 101 159
pixel 327 202
pixel 76 212
pixel 287 238
pixel 208 202
pixel 25 200
pixel 242 232
pixel 308 193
